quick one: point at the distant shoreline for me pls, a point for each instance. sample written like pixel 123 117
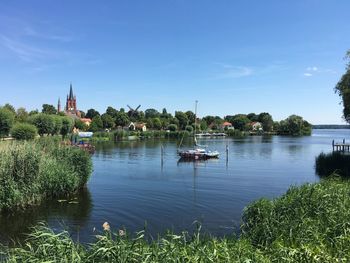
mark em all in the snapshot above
pixel 331 126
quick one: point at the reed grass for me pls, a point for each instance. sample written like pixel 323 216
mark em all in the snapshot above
pixel 309 223
pixel 31 171
pixel 335 162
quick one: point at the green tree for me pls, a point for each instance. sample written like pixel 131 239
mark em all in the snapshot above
pixel 157 124
pixel 190 116
pixel 189 128
pixel 21 115
pixel 58 124
pixel 172 127
pixel 151 113
pixel 343 90
pixel 112 112
pixel 253 117
pixel 122 119
pixel 67 125
pixel 79 125
pixel 44 123
pixel 96 124
pixel 266 121
pixel 240 122
pixel 33 112
pixel 48 109
pixel 7 118
pixel 183 120
pixel 10 108
pixel 91 113
pixel 24 131
pixel 107 120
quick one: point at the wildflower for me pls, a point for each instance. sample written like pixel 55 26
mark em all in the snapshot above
pixel 106 226
pixel 121 232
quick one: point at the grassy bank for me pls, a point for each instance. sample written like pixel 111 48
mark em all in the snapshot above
pixel 307 224
pixel 31 171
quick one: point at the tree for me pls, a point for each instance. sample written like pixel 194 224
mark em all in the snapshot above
pixel 240 122
pixel 6 121
pixel 343 90
pixel 172 127
pixel 24 131
pixel 190 116
pixel 91 113
pixel 67 125
pixel 151 113
pixel 112 112
pixel 33 112
pixel 79 125
pixel 58 124
pixel 253 117
pixel 266 121
pixel 82 114
pixel 189 128
pixel 107 120
pixel 48 109
pixel 21 115
pixel 183 120
pixel 96 124
pixel 157 124
pixel 121 119
pixel 10 108
pixel 44 123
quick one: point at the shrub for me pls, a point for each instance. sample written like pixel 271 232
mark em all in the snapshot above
pixel 23 131
pixel 45 123
pixel 326 164
pixel 6 121
pixel 172 127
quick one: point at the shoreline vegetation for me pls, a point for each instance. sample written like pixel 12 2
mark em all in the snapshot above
pixel 23 125
pixel 43 168
pixel 308 223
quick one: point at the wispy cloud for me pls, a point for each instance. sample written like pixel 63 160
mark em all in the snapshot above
pixel 24 51
pixel 311 71
pixel 228 71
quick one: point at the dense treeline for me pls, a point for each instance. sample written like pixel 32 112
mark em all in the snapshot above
pixel 26 125
pixel 307 224
pixel 31 171
pixel 343 89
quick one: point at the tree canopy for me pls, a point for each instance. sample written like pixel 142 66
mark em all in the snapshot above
pixel 343 89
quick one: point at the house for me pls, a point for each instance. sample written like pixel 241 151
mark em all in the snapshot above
pixel 227 126
pixel 86 121
pixel 256 126
pixel 137 126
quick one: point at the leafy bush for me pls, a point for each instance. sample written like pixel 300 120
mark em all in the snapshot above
pixel 172 127
pixel 23 131
pixel 327 164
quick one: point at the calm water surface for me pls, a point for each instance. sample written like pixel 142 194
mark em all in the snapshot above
pixel 130 188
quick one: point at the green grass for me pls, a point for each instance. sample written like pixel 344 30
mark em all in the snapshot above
pixel 31 171
pixel 309 223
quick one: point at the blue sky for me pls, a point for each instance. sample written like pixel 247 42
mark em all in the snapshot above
pixel 282 57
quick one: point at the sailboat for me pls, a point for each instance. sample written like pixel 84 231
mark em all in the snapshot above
pixel 198 152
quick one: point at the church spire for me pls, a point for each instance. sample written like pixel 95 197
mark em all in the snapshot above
pixel 71 92
pixel 59 105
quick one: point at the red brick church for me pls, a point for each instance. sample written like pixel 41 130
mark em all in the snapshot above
pixel 71 105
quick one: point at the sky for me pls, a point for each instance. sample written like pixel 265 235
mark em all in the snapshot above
pixel 281 57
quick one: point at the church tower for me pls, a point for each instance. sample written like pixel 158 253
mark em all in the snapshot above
pixel 71 104
pixel 59 105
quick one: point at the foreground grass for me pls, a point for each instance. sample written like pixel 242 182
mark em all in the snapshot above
pixel 31 171
pixel 308 224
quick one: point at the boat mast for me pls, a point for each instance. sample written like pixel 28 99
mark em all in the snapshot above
pixel 195 123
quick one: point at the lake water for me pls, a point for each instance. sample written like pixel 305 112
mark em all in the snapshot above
pixel 130 188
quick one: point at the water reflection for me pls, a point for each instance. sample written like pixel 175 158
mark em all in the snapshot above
pixel 76 210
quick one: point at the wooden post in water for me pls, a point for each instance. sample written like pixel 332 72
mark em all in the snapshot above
pixel 226 153
pixel 161 155
pixel 333 145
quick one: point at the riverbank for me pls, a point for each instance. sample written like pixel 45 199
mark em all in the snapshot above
pixel 307 224
pixel 34 170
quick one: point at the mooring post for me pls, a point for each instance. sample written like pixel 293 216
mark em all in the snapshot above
pixel 333 145
pixel 161 155
pixel 226 153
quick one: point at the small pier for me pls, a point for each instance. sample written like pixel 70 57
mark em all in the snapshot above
pixel 341 147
